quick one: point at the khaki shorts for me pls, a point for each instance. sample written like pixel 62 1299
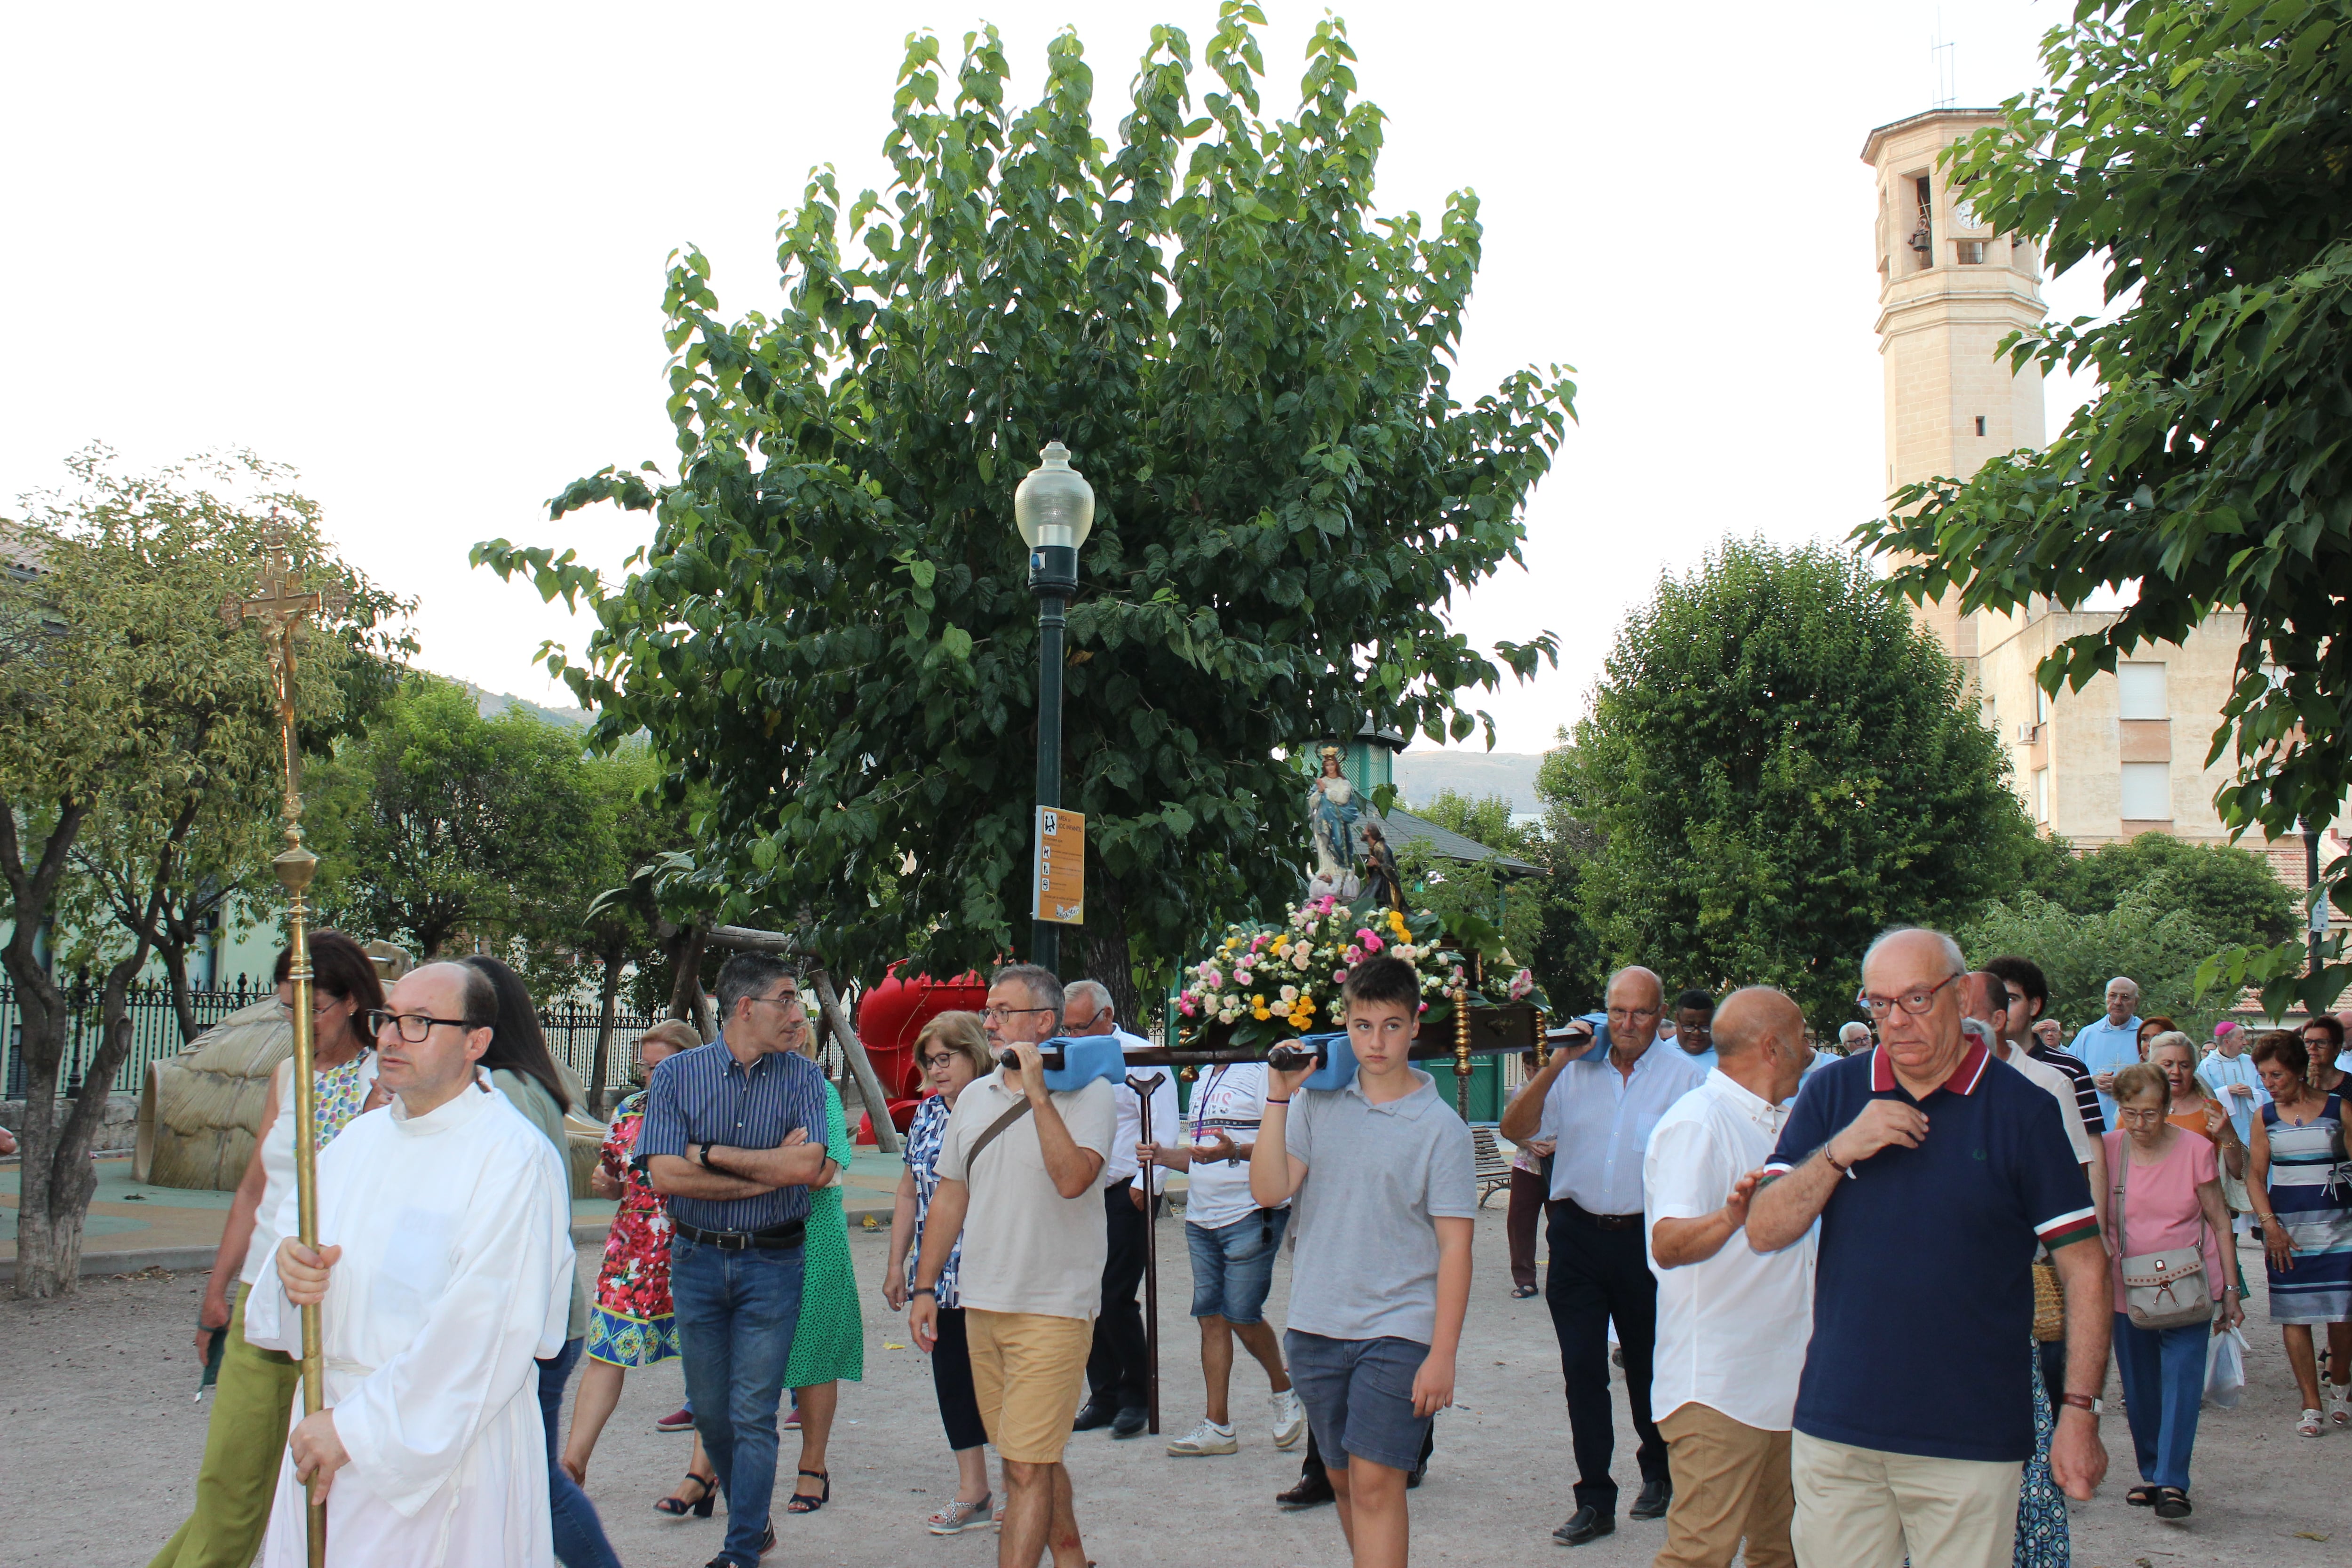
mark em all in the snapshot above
pixel 1028 1371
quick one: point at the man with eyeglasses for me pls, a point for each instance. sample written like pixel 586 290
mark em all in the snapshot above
pixel 1599 1103
pixel 444 1270
pixel 1934 1170
pixel 1018 1167
pixel 734 1136
pixel 1118 1367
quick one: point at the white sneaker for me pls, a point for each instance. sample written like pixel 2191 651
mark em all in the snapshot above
pixel 1289 1419
pixel 1208 1438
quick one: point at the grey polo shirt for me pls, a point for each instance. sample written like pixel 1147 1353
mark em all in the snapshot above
pixel 1377 1176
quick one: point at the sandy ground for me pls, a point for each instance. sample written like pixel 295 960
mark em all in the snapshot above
pixel 100 1442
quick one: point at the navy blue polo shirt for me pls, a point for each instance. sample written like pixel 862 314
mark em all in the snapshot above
pixel 1923 1294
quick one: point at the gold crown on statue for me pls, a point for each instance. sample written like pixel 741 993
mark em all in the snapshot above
pixel 1331 751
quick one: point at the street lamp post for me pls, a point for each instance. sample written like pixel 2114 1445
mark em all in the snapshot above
pixel 1055 510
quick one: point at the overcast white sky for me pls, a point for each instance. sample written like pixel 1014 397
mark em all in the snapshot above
pixel 416 252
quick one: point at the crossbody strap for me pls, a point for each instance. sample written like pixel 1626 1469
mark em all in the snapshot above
pixel 988 1134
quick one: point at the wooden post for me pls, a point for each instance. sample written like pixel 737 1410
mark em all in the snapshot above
pixel 1143 1088
pixel 869 1086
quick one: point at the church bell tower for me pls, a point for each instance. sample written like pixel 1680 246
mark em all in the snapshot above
pixel 1950 290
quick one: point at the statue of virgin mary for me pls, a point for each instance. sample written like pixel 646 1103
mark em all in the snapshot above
pixel 1332 811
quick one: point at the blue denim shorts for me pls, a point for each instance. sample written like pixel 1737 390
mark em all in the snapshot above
pixel 1359 1397
pixel 1233 1266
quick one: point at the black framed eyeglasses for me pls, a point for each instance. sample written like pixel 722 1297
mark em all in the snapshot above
pixel 1000 1014
pixel 411 1028
pixel 1912 1002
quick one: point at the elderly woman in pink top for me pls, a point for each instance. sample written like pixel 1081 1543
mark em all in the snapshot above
pixel 2164 1194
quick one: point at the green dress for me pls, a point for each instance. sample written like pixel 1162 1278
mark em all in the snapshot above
pixel 830 1340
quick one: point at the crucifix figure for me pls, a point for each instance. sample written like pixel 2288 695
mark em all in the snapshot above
pixel 279 605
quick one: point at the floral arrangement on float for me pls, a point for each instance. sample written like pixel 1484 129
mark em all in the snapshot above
pixel 1266 983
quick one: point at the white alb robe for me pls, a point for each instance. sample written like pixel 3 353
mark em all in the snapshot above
pixel 455 1275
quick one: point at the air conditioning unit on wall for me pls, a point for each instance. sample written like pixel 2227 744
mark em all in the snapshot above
pixel 2026 732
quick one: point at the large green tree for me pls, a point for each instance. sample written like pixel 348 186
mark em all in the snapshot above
pixel 437 823
pixel 832 626
pixel 1777 765
pixel 2200 153
pixel 130 709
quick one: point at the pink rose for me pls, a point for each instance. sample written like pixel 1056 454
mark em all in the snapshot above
pixel 1184 1005
pixel 1339 978
pixel 1372 942
pixel 1425 1007
pixel 1355 955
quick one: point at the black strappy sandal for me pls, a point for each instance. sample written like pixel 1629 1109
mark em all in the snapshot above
pixel 2172 1502
pixel 2143 1496
pixel 677 1507
pixel 803 1503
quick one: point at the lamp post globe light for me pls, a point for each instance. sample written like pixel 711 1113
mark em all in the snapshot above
pixel 1055 510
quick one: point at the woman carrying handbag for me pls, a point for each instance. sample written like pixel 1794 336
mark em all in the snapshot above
pixel 2165 1218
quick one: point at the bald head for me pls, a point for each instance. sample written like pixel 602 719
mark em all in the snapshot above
pixel 1753 1015
pixel 1635 998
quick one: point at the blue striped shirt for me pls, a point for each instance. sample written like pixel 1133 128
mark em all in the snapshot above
pixel 705 1095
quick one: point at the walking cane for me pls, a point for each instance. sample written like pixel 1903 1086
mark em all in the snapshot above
pixel 1143 1088
pixel 280 604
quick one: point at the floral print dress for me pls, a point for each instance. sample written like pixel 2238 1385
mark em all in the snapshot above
pixel 630 1323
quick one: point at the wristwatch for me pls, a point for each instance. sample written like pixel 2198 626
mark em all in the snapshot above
pixel 705 1158
pixel 2083 1402
pixel 924 1290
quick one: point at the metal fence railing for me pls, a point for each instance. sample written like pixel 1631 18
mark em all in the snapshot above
pixel 154 1030
pixel 155 1034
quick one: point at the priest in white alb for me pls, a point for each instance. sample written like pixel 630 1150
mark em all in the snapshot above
pixel 444 1270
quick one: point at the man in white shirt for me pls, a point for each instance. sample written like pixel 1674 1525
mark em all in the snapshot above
pixel 1233 1244
pixel 443 1272
pixel 1732 1323
pixel 2106 1045
pixel 1601 1105
pixel 1118 1368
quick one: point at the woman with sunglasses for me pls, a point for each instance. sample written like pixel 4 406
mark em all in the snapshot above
pixel 254 1393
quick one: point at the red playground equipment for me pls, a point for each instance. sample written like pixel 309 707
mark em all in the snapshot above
pixel 890 1016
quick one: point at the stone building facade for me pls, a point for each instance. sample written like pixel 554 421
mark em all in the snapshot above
pixel 2124 755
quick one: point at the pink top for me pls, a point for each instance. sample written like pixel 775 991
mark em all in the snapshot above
pixel 2162 1211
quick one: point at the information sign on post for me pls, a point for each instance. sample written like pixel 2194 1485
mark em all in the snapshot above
pixel 1059 880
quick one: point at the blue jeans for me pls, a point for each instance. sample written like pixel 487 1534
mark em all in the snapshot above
pixel 2162 1372
pixel 736 1313
pixel 578 1534
pixel 1359 1397
pixel 1233 1265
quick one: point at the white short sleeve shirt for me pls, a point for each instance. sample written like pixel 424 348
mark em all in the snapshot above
pixel 1732 1328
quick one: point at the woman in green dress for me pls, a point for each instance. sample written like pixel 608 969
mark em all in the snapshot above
pixel 829 1343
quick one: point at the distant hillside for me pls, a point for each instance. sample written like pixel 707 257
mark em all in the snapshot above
pixel 1420 776
pixel 490 704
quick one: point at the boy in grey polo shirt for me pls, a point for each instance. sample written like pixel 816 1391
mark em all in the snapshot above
pixel 1385 1190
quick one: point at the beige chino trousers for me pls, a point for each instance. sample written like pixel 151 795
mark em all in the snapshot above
pixel 1732 1482
pixel 1864 1508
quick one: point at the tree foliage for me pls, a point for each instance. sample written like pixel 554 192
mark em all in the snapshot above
pixel 831 629
pixel 2226 892
pixel 1513 905
pixel 127 706
pixel 1777 765
pixel 2158 943
pixel 2202 154
pixel 438 821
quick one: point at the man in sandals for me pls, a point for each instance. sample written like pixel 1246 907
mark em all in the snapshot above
pixel 1019 1169
pixel 1933 1170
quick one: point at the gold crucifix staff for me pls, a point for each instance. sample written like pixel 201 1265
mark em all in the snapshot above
pixel 280 604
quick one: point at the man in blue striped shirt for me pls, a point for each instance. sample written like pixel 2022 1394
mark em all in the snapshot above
pixel 734 1136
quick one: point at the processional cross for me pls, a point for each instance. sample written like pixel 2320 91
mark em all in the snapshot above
pixel 281 602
